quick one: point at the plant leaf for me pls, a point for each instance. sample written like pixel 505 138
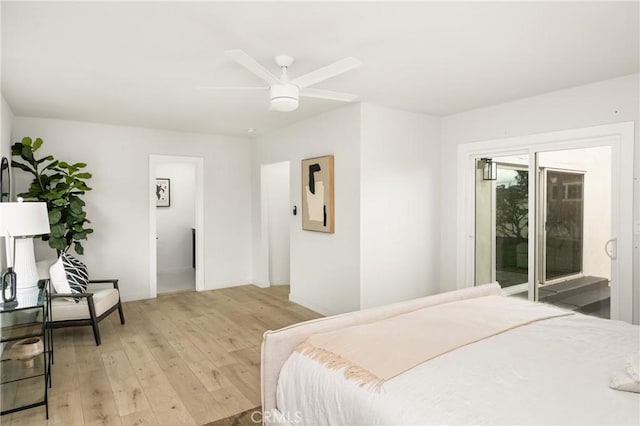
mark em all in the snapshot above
pixel 22 167
pixel 57 243
pixel 78 248
pixel 54 216
pixel 27 153
pixel 51 165
pixel 76 207
pixel 57 231
pixel 79 235
pixel 36 144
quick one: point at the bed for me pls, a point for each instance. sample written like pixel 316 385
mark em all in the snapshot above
pixel 553 370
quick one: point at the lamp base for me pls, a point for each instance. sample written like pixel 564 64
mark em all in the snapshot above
pixel 28 296
pixel 9 305
pixel 25 264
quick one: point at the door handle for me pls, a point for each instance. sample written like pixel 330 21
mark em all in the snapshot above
pixel 611 248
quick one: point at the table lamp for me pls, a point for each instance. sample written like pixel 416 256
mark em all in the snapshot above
pixel 19 222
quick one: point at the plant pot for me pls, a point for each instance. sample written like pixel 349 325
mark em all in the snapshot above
pixel 26 350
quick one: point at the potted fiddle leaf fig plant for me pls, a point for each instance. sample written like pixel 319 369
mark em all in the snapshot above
pixel 61 185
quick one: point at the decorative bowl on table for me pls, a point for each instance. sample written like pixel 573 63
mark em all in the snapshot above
pixel 26 350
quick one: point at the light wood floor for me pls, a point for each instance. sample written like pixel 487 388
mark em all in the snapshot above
pixel 170 282
pixel 185 358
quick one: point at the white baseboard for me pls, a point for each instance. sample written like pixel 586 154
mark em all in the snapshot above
pixel 261 284
pixel 180 270
pixel 312 305
pixel 134 296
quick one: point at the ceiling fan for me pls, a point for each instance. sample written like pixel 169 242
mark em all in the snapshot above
pixel 285 92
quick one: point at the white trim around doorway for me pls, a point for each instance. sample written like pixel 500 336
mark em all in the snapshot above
pixel 619 136
pixel 198 162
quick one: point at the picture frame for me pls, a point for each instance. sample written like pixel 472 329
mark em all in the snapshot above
pixel 318 194
pixel 163 192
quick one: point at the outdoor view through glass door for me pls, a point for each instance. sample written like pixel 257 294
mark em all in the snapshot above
pixel 572 227
pixel 563 224
pixel 502 223
pixel 574 222
pixel 512 225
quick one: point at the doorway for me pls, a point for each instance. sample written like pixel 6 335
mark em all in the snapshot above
pixel 275 194
pixel 577 249
pixel 175 227
pixel 176 224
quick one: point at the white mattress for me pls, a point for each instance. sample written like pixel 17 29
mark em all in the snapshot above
pixel 555 371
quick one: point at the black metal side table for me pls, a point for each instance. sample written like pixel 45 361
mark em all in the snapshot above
pixel 24 385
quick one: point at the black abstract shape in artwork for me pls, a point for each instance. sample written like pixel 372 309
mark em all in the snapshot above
pixel 159 191
pixel 324 211
pixel 312 180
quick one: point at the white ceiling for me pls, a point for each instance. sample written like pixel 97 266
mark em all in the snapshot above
pixel 140 63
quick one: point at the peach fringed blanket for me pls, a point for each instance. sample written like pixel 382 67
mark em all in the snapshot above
pixel 378 351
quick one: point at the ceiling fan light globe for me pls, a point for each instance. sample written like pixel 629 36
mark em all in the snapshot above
pixel 284 97
pixel 284 104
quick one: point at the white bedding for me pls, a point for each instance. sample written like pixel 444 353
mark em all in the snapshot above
pixel 555 371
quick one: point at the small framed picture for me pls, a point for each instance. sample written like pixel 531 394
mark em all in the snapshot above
pixel 163 192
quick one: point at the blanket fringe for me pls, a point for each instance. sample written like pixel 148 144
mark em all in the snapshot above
pixel 333 361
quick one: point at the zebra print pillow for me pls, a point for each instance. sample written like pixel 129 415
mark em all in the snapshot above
pixel 69 275
pixel 76 273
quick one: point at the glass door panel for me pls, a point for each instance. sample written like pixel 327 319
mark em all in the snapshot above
pixel 563 224
pixel 512 225
pixel 574 224
pixel 502 223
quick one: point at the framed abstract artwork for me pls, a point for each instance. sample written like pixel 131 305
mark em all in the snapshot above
pixel 318 210
pixel 163 192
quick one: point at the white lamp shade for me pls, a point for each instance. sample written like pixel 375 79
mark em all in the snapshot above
pixel 23 219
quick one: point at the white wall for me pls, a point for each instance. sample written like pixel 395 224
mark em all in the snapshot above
pixel 325 268
pixel 399 194
pixel 5 129
pixel 6 120
pixel 118 157
pixel 609 101
pixel 174 224
pixel 596 163
pixel 276 196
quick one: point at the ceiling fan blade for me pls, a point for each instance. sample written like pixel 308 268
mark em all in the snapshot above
pixel 328 94
pixel 331 70
pixel 252 65
pixel 231 88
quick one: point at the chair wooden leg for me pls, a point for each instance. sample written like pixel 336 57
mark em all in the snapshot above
pixel 121 312
pixel 94 321
pixel 96 332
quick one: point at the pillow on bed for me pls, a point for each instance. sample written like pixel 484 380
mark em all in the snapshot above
pixel 628 378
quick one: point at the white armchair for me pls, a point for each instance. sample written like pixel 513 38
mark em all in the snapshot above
pixel 100 300
pixel 94 306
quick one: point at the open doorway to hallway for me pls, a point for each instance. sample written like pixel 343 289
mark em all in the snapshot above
pixel 276 220
pixel 176 223
pixel 175 227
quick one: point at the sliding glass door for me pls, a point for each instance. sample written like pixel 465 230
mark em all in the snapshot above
pixel 567 212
